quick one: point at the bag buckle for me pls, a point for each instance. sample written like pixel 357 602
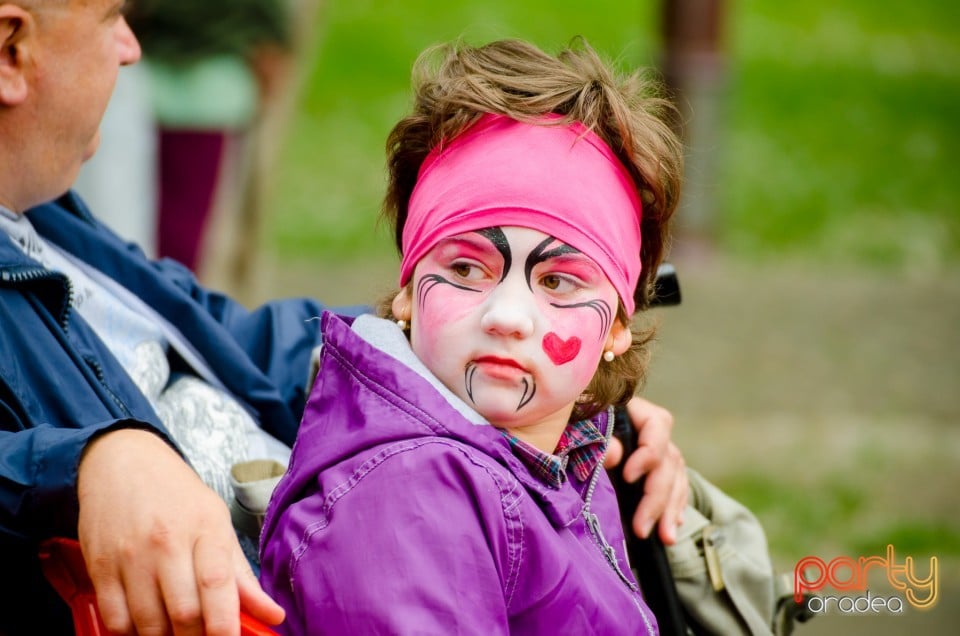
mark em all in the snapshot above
pixel 712 538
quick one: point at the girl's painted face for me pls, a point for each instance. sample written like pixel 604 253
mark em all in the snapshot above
pixel 512 321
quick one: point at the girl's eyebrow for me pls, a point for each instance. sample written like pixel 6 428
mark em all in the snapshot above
pixel 502 245
pixel 542 253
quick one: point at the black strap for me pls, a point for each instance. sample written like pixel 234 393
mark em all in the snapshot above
pixel 648 558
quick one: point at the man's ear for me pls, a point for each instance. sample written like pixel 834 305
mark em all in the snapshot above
pixel 620 338
pixel 402 305
pixel 16 25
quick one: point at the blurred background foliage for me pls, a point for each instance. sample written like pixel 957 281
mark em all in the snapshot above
pixel 838 134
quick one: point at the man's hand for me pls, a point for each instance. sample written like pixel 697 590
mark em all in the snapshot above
pixel 666 488
pixel 159 545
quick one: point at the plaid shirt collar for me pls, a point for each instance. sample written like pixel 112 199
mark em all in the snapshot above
pixel 581 446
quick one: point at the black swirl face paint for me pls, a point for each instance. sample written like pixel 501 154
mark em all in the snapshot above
pixel 502 245
pixel 529 385
pixel 601 307
pixel 540 254
pixel 562 350
pixel 429 281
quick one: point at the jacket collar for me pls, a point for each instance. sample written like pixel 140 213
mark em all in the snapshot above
pixel 18 269
pixel 11 256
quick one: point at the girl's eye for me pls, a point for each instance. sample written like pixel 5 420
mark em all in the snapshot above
pixel 466 271
pixel 551 282
pixel 558 284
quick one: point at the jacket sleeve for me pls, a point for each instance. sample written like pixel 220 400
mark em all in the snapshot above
pixel 278 336
pixel 52 404
pixel 38 477
pixel 416 542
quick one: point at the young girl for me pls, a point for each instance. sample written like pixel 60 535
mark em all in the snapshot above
pixel 448 477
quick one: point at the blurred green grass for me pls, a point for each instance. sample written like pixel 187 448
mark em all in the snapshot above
pixel 843 135
pixel 839 136
pixel 797 515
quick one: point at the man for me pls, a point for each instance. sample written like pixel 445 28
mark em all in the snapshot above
pixel 110 364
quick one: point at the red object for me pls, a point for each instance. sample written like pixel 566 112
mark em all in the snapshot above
pixel 64 567
pixel 190 169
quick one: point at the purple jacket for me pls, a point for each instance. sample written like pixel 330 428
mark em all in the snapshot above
pixel 404 512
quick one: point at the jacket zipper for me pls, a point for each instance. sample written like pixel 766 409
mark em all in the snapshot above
pixel 593 523
pixel 98 373
pixel 33 274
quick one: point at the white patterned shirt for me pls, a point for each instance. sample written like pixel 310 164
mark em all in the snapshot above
pixel 210 426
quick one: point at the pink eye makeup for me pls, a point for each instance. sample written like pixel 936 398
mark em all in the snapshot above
pixel 468 246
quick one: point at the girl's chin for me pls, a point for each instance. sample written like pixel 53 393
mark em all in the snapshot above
pixel 497 415
pixel 506 422
pixel 503 417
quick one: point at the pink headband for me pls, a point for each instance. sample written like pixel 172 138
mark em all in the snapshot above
pixel 561 180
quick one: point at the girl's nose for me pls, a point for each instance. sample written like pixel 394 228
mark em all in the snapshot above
pixel 510 311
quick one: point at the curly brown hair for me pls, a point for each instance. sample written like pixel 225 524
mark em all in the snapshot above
pixel 455 84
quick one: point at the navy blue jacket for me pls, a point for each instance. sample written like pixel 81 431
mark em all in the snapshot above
pixel 60 386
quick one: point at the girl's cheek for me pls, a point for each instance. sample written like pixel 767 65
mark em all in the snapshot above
pixel 446 304
pixel 574 321
pixel 579 369
pixel 565 325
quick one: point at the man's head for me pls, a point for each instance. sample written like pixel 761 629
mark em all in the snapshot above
pixel 58 65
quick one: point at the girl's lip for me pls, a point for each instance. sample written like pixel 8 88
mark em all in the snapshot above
pixel 507 362
pixel 497 368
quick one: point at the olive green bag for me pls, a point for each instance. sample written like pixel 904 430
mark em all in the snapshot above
pixel 724 577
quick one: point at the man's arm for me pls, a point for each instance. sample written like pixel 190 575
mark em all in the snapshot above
pixel 665 489
pixel 171 562
pixel 158 543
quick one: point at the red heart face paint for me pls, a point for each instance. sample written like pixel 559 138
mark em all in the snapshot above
pixel 561 351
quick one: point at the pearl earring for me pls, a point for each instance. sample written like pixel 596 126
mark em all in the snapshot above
pixel 402 324
pixel 608 356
